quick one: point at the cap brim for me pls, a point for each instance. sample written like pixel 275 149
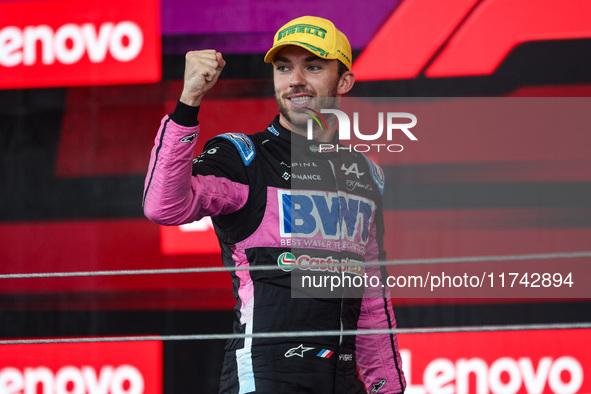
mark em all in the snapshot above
pixel 270 56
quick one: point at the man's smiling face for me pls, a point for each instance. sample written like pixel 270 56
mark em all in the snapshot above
pixel 302 80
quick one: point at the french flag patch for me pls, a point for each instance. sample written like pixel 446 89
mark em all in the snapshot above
pixel 324 353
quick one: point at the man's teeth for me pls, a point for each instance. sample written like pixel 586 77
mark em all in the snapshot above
pixel 301 99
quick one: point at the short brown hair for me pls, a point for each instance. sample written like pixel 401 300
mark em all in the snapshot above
pixel 342 68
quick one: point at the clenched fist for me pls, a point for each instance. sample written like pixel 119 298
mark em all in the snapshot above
pixel 202 70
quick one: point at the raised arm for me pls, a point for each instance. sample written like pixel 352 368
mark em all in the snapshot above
pixel 172 194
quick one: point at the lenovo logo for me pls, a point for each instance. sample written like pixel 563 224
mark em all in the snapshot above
pixel 82 368
pixel 504 375
pixel 123 379
pixel 69 43
pixel 509 362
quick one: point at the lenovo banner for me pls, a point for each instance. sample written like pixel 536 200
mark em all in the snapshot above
pixel 70 43
pixel 68 368
pixel 510 362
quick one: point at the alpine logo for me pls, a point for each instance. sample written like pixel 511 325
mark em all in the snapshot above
pixel 353 168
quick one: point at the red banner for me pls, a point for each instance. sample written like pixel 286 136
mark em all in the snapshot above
pixel 533 362
pixel 192 238
pixel 66 368
pixel 68 43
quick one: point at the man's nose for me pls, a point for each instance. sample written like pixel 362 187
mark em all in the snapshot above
pixel 297 77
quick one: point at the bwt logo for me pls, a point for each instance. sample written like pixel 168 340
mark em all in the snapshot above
pixel 307 214
pixel 344 129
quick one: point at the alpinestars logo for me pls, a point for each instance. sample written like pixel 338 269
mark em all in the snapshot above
pixel 189 139
pixel 377 386
pixel 297 351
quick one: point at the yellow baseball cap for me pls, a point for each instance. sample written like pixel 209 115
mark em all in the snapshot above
pixel 317 35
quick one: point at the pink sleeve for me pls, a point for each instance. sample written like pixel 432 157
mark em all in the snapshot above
pixel 172 195
pixel 378 357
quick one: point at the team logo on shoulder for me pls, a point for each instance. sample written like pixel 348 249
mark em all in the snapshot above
pixel 243 144
pixel 377 174
pixel 286 261
pixel 241 139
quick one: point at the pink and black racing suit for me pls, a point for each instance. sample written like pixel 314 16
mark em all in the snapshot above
pixel 278 200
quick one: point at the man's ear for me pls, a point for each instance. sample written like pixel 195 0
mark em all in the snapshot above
pixel 346 82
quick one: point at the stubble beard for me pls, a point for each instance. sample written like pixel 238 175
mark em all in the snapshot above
pixel 299 122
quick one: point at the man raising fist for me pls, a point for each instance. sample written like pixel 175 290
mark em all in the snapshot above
pixel 202 70
pixel 278 201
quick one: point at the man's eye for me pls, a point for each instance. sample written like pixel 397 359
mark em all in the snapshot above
pixel 282 68
pixel 314 68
